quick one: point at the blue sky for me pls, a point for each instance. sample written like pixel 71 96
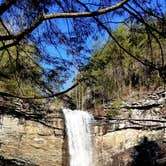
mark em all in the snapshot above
pixel 91 43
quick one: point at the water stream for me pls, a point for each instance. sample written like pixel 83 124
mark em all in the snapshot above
pixel 78 124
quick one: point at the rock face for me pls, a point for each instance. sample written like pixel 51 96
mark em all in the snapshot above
pixel 135 137
pixel 35 141
pixel 31 136
pixel 120 147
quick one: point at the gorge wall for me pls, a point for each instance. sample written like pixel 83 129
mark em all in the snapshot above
pixel 31 137
pixel 36 136
pixel 134 137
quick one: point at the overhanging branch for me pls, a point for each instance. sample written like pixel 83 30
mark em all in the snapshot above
pixel 144 62
pixel 5 94
pixel 44 17
pixel 86 14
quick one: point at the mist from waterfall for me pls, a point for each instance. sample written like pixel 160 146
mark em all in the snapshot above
pixel 78 125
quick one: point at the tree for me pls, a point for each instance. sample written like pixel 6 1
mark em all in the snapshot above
pixel 40 23
pixel 112 72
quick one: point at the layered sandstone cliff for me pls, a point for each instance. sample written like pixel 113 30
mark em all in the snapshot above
pixel 31 138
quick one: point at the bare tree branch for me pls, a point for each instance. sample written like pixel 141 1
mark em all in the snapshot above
pixel 42 97
pixel 144 62
pixel 86 14
pixel 141 19
pixel 44 17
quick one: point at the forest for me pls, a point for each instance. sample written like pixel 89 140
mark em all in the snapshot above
pixel 106 45
pixel 111 72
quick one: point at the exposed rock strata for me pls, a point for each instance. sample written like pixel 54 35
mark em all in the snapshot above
pixel 34 136
pixel 137 132
pixel 31 138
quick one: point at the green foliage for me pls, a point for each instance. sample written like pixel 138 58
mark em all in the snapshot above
pixel 111 70
pixel 20 73
pixel 115 105
pixel 114 110
pixel 57 101
pixel 39 102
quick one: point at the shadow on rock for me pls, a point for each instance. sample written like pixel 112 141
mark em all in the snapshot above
pixel 148 153
pixel 14 162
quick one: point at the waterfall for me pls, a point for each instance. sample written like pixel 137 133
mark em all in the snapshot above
pixel 79 137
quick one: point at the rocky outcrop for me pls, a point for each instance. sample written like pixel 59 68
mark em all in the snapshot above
pixel 137 131
pixel 120 147
pixel 35 136
pixel 29 137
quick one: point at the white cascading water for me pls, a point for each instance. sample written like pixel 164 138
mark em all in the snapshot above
pixel 78 124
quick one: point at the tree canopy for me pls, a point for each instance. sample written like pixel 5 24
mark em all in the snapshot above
pixel 42 42
pixel 112 72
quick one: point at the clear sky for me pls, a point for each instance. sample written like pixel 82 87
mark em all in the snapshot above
pixel 101 38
